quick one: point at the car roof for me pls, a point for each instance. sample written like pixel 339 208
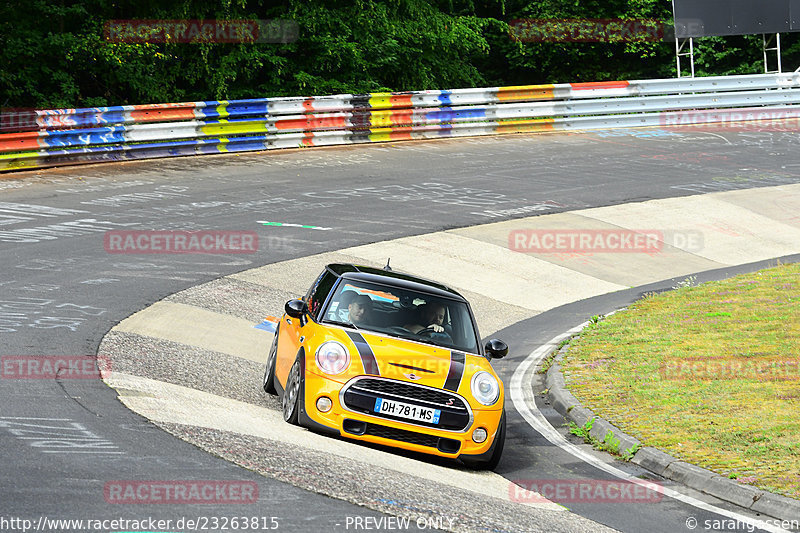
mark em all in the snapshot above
pixel 393 278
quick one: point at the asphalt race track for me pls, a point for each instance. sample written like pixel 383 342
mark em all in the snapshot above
pixel 65 441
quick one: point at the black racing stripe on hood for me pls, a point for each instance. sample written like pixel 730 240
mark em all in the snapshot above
pixel 456 372
pixel 365 352
pixel 409 367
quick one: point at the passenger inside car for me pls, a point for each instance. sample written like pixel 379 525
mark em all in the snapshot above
pixel 340 310
pixel 360 310
pixel 401 313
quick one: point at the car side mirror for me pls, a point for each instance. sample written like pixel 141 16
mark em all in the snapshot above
pixel 296 308
pixel 496 349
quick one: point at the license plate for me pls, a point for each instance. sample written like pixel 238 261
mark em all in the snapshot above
pixel 405 410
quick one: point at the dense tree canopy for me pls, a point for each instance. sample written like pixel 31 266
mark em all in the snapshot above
pixel 55 54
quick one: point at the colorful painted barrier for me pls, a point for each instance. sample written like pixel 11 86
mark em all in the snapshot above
pixel 117 133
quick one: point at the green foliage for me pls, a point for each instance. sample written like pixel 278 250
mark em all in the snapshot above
pixel 550 358
pixel 582 432
pixel 610 443
pixel 561 62
pixel 367 46
pixel 627 455
pixel 56 54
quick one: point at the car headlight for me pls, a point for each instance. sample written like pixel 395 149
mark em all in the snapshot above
pixel 332 357
pixel 485 388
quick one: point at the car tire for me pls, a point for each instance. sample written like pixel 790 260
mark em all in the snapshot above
pixel 269 371
pixel 497 450
pixel 291 394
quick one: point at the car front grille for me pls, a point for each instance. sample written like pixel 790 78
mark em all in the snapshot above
pixel 420 439
pixel 410 437
pixel 360 395
pixel 398 389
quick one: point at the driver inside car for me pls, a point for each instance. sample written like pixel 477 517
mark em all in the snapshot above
pixel 431 317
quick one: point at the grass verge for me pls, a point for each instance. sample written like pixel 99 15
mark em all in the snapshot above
pixel 709 374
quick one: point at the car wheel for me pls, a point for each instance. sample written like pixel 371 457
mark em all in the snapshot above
pixel 269 371
pixel 497 450
pixel 291 394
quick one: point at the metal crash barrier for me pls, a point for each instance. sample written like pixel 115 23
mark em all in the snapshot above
pixel 118 133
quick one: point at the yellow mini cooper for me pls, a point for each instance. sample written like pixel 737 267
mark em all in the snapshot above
pixel 375 355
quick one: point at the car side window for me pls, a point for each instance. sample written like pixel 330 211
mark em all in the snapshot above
pixel 318 293
pixel 339 308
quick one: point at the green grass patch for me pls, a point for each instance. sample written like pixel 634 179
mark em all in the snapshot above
pixel 708 373
pixel 548 361
pixel 609 444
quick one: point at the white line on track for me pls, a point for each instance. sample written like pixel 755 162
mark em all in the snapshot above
pixel 540 424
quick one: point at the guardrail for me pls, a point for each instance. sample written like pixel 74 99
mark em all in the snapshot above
pixel 73 136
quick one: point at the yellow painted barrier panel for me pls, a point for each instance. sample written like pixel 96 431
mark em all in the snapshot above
pixel 522 93
pixel 234 128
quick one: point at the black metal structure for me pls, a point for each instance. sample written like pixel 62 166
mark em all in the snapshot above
pixel 705 18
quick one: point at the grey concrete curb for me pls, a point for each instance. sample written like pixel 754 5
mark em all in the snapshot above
pixel 660 463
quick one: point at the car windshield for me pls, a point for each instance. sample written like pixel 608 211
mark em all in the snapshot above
pixel 403 313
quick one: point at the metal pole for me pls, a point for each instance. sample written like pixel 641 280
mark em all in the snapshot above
pixel 765 46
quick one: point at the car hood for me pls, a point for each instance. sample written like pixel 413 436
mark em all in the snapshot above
pixel 414 362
